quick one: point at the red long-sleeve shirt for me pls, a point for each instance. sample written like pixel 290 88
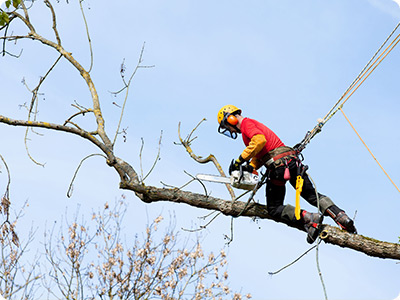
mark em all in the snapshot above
pixel 259 140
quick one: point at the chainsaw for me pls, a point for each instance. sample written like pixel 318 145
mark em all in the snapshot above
pixel 239 179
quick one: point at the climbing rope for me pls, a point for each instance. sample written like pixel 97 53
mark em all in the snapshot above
pixel 373 63
pixel 362 73
pixel 347 119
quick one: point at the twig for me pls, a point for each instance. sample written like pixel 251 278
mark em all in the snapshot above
pixel 35 91
pixel 175 187
pixel 5 207
pixel 254 191
pixel 208 215
pixel 4 52
pixel 8 175
pixel 243 194
pixel 53 14
pixel 27 149
pixel 127 86
pixel 293 262
pixel 70 189
pixel 319 241
pixel 82 112
pixel 80 107
pixel 202 184
pixel 319 269
pixel 155 161
pixel 33 108
pixel 88 36
pixel 202 227
pixel 230 239
pixel 140 158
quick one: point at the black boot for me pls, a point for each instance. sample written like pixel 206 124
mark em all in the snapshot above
pixel 340 217
pixel 312 223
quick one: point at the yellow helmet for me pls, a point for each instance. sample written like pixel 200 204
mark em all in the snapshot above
pixel 227 109
pixel 225 118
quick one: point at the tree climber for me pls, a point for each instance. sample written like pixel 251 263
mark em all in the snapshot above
pixel 264 148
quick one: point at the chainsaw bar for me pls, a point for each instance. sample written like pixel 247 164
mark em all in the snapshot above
pixel 214 178
pixel 240 180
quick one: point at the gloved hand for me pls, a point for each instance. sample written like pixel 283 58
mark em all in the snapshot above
pixel 249 168
pixel 235 164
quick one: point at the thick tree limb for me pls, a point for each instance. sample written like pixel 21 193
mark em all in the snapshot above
pixel 331 235
pixel 335 236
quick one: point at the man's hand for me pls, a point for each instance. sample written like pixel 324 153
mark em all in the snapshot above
pixel 248 168
pixel 235 164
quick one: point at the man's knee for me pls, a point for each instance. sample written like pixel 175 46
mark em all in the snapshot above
pixel 275 211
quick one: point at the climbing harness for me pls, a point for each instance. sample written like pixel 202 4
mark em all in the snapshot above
pixel 274 157
pixel 364 74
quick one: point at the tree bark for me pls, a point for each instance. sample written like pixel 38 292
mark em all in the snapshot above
pixel 329 234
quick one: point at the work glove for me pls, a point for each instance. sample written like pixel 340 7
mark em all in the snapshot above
pixel 249 168
pixel 235 164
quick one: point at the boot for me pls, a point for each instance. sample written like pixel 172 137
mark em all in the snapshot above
pixel 340 217
pixel 312 223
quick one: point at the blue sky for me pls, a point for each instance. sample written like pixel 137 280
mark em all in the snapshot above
pixel 284 63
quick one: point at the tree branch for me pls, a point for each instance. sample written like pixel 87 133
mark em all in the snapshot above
pixel 59 127
pixel 210 158
pixel 331 235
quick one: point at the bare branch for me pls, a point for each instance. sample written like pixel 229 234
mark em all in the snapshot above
pixel 86 76
pixel 25 9
pixel 211 158
pixel 296 260
pixel 4 52
pixel 201 227
pixel 156 159
pixel 202 184
pixel 58 127
pixel 34 103
pixel 82 112
pixel 127 86
pixel 25 19
pixel 27 149
pixel 7 192
pixel 48 4
pixel 88 35
pixel 70 189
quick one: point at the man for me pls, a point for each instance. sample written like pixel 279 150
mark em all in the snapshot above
pixel 264 148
